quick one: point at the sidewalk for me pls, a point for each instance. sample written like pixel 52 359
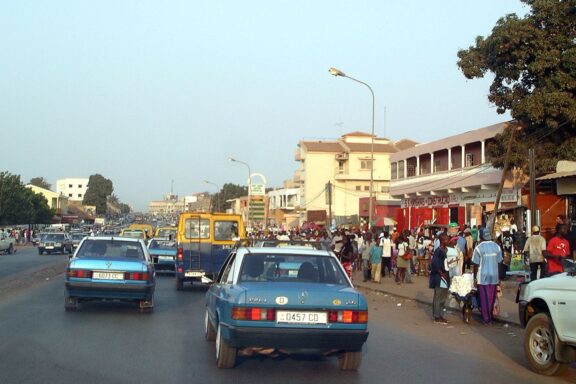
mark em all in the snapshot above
pixel 420 292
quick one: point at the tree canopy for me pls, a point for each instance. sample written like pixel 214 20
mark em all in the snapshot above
pixel 229 191
pixel 533 62
pixel 99 189
pixel 20 205
pixel 40 182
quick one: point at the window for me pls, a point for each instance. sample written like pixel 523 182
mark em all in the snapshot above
pixel 469 159
pixel 69 195
pixel 411 170
pixel 341 167
pixel 225 230
pixel 79 185
pixel 358 187
pixel 385 189
pixel 394 167
pixel 366 187
pixel 401 169
pixel 69 185
pixel 79 195
pixel 196 228
pixel 437 165
pixel 365 164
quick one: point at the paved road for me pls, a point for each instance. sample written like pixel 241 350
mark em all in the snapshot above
pixel 110 343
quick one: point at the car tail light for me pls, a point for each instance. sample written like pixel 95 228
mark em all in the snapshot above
pixel 180 254
pixel 253 314
pixel 79 273
pixel 349 317
pixel 140 276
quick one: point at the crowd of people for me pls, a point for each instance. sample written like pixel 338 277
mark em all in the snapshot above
pixel 21 235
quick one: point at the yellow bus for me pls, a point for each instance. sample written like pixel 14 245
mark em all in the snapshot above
pixel 204 241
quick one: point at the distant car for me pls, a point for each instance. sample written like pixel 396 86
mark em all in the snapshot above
pixel 285 301
pixel 110 268
pixel 166 232
pixel 163 252
pixel 134 233
pixel 58 242
pixel 76 238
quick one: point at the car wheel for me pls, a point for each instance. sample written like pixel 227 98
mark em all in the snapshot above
pixel 350 360
pixel 539 346
pixel 209 332
pixel 40 252
pixel 225 354
pixel 179 284
pixel 10 249
pixel 70 304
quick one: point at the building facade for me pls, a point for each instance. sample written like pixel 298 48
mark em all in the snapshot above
pixel 282 206
pixel 56 201
pixel 342 167
pixel 73 188
pixel 451 181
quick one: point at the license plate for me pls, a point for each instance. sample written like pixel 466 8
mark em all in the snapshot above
pixel 298 317
pixel 166 258
pixel 107 275
pixel 193 274
pixel 49 247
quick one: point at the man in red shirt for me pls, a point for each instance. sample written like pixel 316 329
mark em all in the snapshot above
pixel 558 248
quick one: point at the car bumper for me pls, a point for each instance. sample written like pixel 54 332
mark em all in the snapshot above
pixel 109 291
pixel 290 338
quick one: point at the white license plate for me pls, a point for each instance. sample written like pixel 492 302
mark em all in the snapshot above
pixel 193 274
pixel 166 258
pixel 49 247
pixel 298 317
pixel 108 275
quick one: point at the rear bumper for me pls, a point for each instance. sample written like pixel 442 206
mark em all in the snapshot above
pixel 290 338
pixel 109 291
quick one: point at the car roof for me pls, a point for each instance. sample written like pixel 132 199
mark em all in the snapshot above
pixel 111 238
pixel 285 251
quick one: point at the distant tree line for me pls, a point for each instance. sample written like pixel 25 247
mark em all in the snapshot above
pixel 21 205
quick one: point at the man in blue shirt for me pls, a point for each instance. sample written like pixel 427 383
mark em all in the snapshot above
pixel 487 259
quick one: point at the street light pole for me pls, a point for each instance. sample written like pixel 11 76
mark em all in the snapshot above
pixel 218 199
pixel 249 187
pixel 337 72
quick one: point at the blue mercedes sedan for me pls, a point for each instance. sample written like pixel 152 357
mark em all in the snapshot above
pixel 273 301
pixel 110 268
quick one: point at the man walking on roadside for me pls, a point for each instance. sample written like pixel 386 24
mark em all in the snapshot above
pixel 535 247
pixel 487 259
pixel 376 261
pixel 439 280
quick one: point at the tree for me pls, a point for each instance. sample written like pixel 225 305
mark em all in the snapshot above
pixel 533 61
pixel 97 193
pixel 40 182
pixel 20 205
pixel 229 191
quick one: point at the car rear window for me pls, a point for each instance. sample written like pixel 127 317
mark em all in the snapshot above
pixel 292 268
pixel 54 237
pixel 162 244
pixel 110 249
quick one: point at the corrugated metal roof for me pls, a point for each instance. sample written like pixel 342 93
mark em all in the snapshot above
pixel 558 175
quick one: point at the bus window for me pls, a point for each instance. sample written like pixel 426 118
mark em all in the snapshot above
pixel 225 230
pixel 197 228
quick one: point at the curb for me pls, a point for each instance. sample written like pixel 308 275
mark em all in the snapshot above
pixel 428 303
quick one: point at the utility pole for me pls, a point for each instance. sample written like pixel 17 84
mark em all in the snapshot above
pixel 532 170
pixel 329 191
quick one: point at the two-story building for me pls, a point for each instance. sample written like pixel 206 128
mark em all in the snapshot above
pixel 282 205
pixel 73 188
pixel 342 166
pixel 450 180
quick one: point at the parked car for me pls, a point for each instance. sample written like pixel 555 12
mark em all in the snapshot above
pixel 547 309
pixel 285 301
pixel 110 268
pixel 58 242
pixel 163 253
pixel 76 238
pixel 7 243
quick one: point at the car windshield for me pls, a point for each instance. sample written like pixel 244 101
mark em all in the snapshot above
pixel 110 249
pixel 53 237
pixel 167 232
pixel 292 268
pixel 78 236
pixel 162 244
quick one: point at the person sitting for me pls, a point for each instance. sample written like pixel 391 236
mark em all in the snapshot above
pixel 307 272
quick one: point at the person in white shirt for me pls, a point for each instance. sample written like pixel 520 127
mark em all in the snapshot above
pixel 386 244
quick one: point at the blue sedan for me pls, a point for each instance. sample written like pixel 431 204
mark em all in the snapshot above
pixel 163 252
pixel 272 301
pixel 110 268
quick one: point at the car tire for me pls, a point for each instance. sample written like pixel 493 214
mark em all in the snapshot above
pixel 10 249
pixel 209 332
pixel 146 306
pixel 179 284
pixel 70 304
pixel 225 354
pixel 350 360
pixel 40 252
pixel 539 342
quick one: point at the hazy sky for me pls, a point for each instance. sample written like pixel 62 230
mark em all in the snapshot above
pixel 147 91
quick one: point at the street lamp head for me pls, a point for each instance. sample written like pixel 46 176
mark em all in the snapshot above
pixel 336 72
pixel 230 158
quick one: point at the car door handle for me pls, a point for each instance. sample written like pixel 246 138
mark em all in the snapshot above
pixel 561 303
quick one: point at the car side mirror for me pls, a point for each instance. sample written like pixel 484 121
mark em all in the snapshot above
pixel 569 266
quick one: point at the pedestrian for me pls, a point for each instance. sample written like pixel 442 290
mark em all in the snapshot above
pixel 467 262
pixel 474 234
pixel 401 262
pixel 535 248
pixel 376 261
pixel 487 259
pixel 386 244
pixel 506 241
pixel 439 280
pixel 558 248
pixel 365 252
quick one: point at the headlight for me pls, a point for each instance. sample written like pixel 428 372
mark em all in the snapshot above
pixel 57 244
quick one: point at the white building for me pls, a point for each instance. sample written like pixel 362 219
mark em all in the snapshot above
pixel 73 188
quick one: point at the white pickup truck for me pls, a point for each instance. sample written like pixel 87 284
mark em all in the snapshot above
pixel 547 309
pixel 7 243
